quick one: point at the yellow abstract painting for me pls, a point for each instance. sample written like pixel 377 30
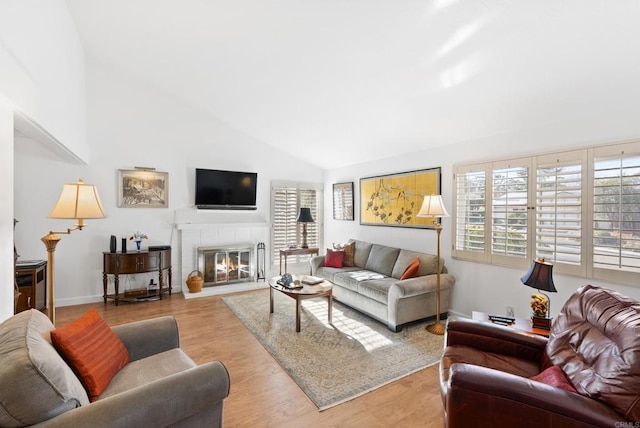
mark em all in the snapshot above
pixel 395 199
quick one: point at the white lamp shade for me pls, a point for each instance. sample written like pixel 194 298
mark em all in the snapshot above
pixel 432 206
pixel 78 201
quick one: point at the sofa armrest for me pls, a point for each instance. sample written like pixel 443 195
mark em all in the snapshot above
pixel 149 337
pixel 496 339
pixel 316 262
pixel 420 285
pixel 164 402
pixel 496 398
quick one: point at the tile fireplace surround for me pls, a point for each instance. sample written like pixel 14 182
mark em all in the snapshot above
pixel 194 235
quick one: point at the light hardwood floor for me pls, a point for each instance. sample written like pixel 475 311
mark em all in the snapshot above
pixel 262 394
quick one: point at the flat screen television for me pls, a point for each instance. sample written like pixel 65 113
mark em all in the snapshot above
pixel 225 190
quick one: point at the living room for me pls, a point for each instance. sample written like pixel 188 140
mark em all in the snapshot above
pixel 77 115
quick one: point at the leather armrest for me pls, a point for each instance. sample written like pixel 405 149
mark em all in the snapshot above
pixel 496 339
pixel 149 337
pixel 164 402
pixel 497 398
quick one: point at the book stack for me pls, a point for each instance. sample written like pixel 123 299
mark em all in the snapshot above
pixel 501 319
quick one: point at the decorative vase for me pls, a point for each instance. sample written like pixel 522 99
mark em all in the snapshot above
pixel 138 245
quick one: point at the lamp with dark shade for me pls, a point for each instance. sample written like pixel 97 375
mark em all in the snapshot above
pixel 433 206
pixel 540 277
pixel 304 217
pixel 77 201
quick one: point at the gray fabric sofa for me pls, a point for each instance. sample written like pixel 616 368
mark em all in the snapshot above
pixel 160 387
pixel 385 297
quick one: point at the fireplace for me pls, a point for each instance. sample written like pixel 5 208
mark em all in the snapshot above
pixel 226 264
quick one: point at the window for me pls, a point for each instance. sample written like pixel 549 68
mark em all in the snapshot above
pixel 616 213
pixel 287 199
pixel 510 212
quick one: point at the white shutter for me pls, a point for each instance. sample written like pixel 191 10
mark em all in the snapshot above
pixel 616 212
pixel 509 212
pixel 470 212
pixel 559 220
pixel 286 203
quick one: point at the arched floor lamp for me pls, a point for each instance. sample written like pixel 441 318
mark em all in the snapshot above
pixel 77 201
pixel 432 206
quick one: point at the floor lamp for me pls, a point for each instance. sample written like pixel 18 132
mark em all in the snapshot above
pixel 432 206
pixel 77 201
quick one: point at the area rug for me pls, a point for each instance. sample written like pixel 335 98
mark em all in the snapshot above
pixel 338 362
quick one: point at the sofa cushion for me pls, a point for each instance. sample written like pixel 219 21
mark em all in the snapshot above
pixel 333 258
pixel 412 270
pixel 147 370
pixel 376 289
pixel 382 259
pixel 361 253
pixel 349 253
pixel 93 351
pixel 427 263
pixel 595 341
pixel 43 384
pixel 352 279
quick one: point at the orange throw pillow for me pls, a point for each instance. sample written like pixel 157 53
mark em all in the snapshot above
pixel 92 350
pixel 412 270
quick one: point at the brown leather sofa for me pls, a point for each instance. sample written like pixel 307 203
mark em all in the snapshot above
pixel 485 369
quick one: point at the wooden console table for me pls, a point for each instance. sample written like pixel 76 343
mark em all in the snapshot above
pixel 133 263
pixel 295 252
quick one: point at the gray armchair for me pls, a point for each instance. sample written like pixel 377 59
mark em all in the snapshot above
pixel 161 386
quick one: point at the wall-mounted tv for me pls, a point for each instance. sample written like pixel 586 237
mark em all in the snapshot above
pixel 225 190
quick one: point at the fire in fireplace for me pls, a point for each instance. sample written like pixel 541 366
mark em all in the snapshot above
pixel 224 265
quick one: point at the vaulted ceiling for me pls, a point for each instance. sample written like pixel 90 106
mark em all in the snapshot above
pixel 374 78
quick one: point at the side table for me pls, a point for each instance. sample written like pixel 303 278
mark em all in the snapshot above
pixel 519 323
pixel 295 252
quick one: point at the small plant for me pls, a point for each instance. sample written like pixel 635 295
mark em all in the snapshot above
pixel 138 236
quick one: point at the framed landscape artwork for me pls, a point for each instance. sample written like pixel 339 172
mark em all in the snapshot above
pixel 143 189
pixel 395 199
pixel 343 201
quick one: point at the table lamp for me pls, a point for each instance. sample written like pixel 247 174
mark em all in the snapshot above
pixel 432 206
pixel 539 276
pixel 77 201
pixel 304 217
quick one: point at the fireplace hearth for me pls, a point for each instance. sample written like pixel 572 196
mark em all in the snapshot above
pixel 224 265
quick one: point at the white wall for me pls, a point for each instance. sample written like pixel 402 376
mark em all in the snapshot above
pixel 132 124
pixel 42 69
pixel 6 208
pixel 482 287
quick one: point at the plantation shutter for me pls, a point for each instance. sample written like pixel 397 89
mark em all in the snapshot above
pixel 470 212
pixel 509 212
pixel 287 199
pixel 616 211
pixel 560 211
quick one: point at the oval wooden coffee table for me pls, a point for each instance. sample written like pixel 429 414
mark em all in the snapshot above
pixel 324 288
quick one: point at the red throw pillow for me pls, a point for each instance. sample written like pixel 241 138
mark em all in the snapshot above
pixel 412 270
pixel 333 258
pixel 92 350
pixel 554 376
